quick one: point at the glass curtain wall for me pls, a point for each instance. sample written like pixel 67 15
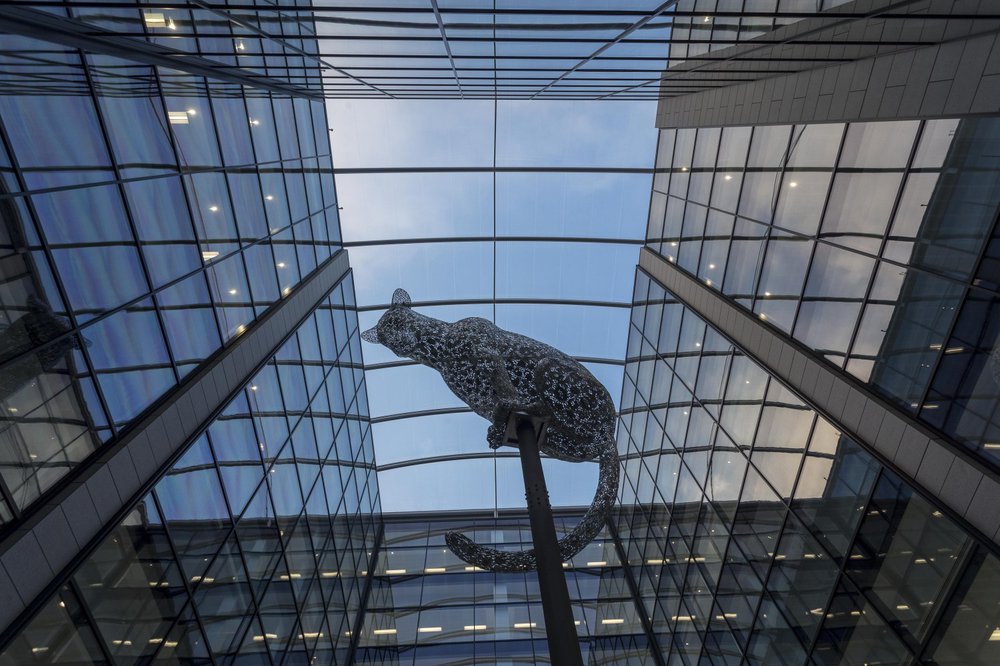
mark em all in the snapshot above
pixel 149 217
pixel 254 546
pixel 429 607
pixel 757 530
pixel 872 243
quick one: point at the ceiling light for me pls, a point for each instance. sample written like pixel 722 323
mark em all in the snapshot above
pixel 208 255
pixel 269 197
pixel 384 632
pixel 654 561
pixel 711 266
pixel 475 627
pixel 325 574
pixel 428 630
pixel 154 19
pixel 171 24
pixel 728 176
pixel 240 46
pixel 470 568
pixel 311 634
pixel 524 625
pixel 995 636
pixel 793 184
pixel 682 618
pixel 601 563
pixel 232 292
pixel 433 570
pixel 613 620
pixel 178 117
pixel 214 209
pixel 395 572
pixel 281 264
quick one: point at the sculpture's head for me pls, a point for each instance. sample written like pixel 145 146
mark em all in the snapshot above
pixel 400 327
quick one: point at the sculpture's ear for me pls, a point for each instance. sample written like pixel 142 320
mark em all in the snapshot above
pixel 400 297
pixel 371 335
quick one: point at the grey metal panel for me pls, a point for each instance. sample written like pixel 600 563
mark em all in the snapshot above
pixel 938 80
pixel 104 488
pixel 940 468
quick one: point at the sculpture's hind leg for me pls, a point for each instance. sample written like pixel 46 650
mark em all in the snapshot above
pixel 581 420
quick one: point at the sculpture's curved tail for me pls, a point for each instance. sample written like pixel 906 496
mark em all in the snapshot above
pixel 492 559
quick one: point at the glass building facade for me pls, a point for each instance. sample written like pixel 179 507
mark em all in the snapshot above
pixel 429 607
pixel 871 243
pixel 139 204
pixel 253 547
pixel 760 533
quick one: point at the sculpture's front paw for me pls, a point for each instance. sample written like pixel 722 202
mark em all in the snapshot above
pixel 494 437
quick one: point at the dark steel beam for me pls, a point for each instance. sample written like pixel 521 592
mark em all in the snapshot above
pixel 88 37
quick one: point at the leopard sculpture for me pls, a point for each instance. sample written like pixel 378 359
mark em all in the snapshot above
pixel 496 373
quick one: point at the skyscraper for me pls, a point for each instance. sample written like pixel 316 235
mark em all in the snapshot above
pixel 188 463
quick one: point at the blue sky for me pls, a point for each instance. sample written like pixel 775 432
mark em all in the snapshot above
pixel 456 133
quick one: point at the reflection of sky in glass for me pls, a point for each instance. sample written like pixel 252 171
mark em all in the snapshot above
pixel 569 172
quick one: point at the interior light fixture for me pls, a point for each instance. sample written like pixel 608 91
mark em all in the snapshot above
pixel 471 568
pixel 428 630
pixel 601 563
pixel 384 632
pixel 395 572
pixel 208 255
pixel 269 197
pixel 728 176
pixel 524 625
pixel 613 620
pixel 192 112
pixel 793 184
pixel 154 19
pixel 178 117
pixel 232 292
pixel 995 636
pixel 281 264
pixel 475 627
pixel 434 570
pixel 214 209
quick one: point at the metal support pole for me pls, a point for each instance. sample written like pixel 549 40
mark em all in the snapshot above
pixel 564 647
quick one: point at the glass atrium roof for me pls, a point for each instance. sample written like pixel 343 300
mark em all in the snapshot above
pixel 527 213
